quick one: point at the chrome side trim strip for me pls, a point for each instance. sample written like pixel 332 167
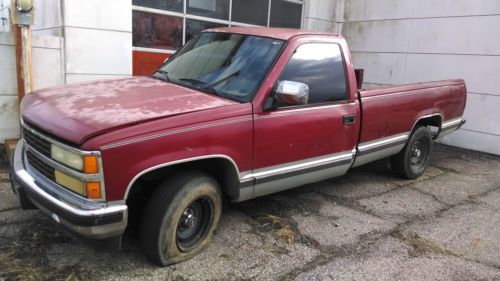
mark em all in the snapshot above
pixel 164 134
pixel 300 165
pixel 450 126
pixel 380 148
pixel 138 175
pixel 378 144
pixel 452 122
pixel 275 179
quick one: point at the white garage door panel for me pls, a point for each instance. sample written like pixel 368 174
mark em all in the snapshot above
pixel 459 35
pixel 109 14
pixel 47 68
pixel 475 141
pixel 444 8
pixel 9 118
pixel 377 36
pixel 358 10
pixel 384 68
pixel 482 113
pixel 84 56
pixel 8 84
pixel 481 73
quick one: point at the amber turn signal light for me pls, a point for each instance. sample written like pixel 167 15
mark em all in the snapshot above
pixel 93 190
pixel 90 164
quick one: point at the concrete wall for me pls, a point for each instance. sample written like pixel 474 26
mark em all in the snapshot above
pixel 4 16
pixel 410 41
pixel 47 72
pixel 319 15
pixel 98 36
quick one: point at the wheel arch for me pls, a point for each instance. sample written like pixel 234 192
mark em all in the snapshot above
pixel 222 167
pixel 434 120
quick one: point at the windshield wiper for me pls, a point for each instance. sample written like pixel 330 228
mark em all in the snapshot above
pixel 210 87
pixel 194 81
pixel 236 73
pixel 163 73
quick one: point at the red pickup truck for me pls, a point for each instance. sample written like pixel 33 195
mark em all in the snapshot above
pixel 235 114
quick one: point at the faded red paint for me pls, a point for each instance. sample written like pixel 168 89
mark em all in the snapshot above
pixel 80 111
pixel 138 123
pixel 385 114
pixel 145 63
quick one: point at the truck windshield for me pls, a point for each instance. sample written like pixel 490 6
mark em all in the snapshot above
pixel 224 64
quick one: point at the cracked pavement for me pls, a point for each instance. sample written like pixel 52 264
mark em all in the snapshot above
pixel 366 225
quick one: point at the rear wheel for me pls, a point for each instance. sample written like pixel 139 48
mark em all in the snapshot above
pixel 180 218
pixel 412 161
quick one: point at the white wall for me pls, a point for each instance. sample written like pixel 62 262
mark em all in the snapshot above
pixel 47 72
pixel 48 18
pixel 4 16
pixel 98 36
pixel 319 15
pixel 410 41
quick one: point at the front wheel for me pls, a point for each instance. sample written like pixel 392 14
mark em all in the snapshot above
pixel 180 218
pixel 412 161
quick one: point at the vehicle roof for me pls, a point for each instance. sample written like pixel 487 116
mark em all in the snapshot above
pixel 273 32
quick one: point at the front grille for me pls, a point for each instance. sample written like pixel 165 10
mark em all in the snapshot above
pixel 40 166
pixel 38 143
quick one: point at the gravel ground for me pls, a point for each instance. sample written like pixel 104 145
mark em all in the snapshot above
pixel 366 225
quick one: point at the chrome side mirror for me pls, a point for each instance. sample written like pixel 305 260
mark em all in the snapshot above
pixel 292 93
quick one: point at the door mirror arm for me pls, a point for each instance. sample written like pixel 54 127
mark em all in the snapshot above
pixel 271 102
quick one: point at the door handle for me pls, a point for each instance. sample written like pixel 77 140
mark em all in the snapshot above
pixel 349 119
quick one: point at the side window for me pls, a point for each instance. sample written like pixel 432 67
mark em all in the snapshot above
pixel 320 66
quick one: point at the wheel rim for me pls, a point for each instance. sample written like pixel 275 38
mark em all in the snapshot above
pixel 419 153
pixel 194 223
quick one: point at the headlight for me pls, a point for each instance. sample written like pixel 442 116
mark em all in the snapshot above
pixel 87 163
pixel 66 157
pixel 70 182
pixel 91 190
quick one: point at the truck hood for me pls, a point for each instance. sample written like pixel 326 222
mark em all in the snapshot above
pixel 80 111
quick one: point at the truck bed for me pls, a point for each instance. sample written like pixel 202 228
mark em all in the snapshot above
pixel 389 114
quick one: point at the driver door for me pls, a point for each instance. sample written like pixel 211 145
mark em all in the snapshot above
pixel 300 144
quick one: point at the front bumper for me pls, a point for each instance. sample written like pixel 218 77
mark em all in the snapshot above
pixel 102 221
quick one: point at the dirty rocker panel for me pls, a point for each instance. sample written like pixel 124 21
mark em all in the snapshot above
pixel 289 175
pixel 380 148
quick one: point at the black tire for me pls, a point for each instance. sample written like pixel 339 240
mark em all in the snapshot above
pixel 411 162
pixel 180 218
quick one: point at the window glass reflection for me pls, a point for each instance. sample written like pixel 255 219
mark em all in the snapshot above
pixel 285 14
pixel 156 31
pixel 321 67
pixel 232 65
pixel 250 11
pixel 194 27
pixel 218 9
